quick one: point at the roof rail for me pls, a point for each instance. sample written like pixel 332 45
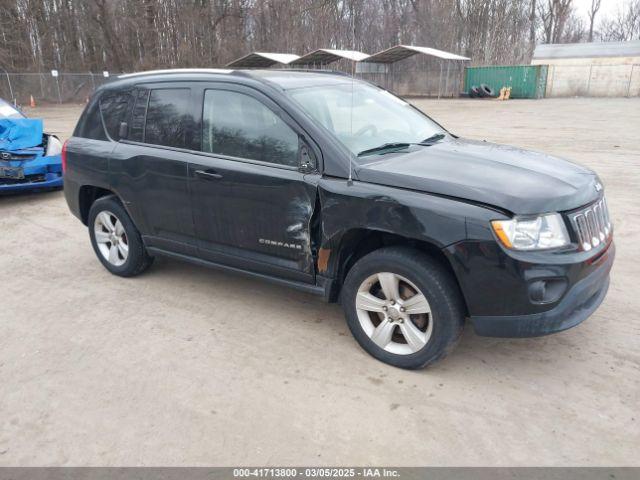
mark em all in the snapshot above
pixel 177 70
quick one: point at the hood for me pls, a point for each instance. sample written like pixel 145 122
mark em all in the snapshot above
pixel 512 179
pixel 20 133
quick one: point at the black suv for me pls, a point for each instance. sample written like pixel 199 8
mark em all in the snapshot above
pixel 337 187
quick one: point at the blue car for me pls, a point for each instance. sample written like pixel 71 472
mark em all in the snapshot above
pixel 29 158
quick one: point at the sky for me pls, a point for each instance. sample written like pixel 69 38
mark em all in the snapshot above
pixel 607 8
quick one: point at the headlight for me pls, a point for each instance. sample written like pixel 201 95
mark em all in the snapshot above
pixel 54 147
pixel 543 232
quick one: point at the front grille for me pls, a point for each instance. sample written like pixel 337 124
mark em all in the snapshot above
pixel 592 224
pixel 37 178
pixel 12 156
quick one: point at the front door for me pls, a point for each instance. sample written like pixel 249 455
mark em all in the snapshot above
pixel 252 207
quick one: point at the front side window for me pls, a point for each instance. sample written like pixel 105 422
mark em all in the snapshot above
pixel 362 116
pixel 238 125
pixel 168 117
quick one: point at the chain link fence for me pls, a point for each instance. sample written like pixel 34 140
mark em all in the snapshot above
pixel 46 88
pixel 405 78
pixel 418 76
pixel 422 78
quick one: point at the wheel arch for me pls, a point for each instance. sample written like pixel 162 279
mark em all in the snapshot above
pixel 87 195
pixel 336 260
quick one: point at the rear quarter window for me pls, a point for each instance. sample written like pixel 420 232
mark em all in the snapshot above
pixel 90 123
pixel 115 108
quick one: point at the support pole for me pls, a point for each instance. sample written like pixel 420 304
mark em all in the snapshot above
pixel 393 78
pixel 14 100
pixel 446 84
pixel 59 94
pixel 440 82
pixel 40 80
pixel 426 75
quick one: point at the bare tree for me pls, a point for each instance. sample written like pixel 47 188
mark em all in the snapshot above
pixel 125 35
pixel 554 15
pixel 595 6
pixel 532 24
pixel 624 25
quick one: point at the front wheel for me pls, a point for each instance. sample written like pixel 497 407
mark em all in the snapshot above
pixel 403 307
pixel 115 238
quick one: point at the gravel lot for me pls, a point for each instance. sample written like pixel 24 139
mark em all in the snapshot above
pixel 185 365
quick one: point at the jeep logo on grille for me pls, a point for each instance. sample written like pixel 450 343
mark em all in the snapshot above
pixel 598 186
pixel 5 156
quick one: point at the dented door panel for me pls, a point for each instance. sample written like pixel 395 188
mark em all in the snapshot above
pixel 257 213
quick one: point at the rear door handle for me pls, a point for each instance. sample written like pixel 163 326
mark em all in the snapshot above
pixel 208 175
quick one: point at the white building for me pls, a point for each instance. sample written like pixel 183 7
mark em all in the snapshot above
pixel 605 69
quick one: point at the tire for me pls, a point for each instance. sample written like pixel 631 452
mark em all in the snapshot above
pixel 440 328
pixel 486 90
pixel 474 92
pixel 109 221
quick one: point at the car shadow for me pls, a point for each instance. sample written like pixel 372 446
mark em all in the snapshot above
pixel 472 351
pixel 29 196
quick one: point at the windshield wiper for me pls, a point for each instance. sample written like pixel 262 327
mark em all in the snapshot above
pixel 392 146
pixel 432 139
pixel 383 147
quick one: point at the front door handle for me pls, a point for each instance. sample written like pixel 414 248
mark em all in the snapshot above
pixel 208 175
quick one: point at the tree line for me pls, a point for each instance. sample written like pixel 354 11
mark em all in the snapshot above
pixel 129 35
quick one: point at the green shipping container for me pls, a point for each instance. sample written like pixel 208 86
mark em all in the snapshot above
pixel 526 81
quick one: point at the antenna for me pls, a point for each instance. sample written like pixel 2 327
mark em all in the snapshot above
pixel 353 74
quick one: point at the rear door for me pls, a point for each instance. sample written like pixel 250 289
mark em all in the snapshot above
pixel 251 204
pixel 150 166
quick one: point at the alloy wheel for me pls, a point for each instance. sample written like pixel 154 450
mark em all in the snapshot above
pixel 111 238
pixel 394 313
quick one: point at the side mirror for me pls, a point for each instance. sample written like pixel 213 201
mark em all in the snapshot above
pixel 123 131
pixel 307 160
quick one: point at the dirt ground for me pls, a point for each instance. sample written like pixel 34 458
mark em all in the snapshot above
pixel 188 366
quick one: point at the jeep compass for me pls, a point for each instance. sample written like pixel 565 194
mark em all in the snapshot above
pixel 337 187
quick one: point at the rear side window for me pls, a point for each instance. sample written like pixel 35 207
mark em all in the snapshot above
pixel 115 108
pixel 168 117
pixel 90 124
pixel 239 125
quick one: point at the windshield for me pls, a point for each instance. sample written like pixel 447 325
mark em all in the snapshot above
pixel 8 111
pixel 377 117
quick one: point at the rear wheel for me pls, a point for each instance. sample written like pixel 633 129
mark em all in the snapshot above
pixel 115 239
pixel 403 307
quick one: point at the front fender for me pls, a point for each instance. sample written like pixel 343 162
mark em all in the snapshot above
pixel 437 220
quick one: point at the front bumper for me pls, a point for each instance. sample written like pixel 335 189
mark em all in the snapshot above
pixel 580 301
pixel 41 172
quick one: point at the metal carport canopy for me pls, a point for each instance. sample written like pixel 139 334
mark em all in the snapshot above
pixel 263 60
pixel 323 56
pixel 400 52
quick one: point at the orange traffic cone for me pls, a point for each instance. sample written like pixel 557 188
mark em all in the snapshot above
pixel 32 102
